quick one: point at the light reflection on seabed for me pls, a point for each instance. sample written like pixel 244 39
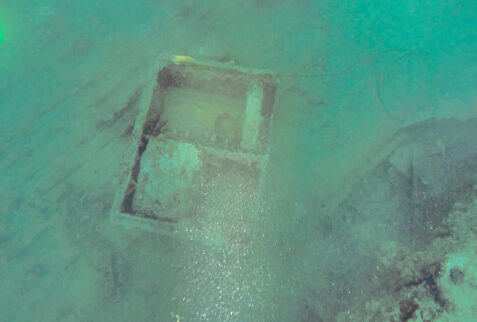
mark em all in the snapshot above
pixel 227 273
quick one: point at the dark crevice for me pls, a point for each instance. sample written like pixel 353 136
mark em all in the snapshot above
pixel 127 204
pixel 427 277
pixel 152 127
pixel 161 219
pixel 407 309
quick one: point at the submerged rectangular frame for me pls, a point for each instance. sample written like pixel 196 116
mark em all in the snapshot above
pixel 197 122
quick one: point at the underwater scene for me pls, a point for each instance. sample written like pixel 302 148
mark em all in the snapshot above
pixel 238 160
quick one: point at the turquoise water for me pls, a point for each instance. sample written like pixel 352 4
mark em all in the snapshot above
pixel 368 198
